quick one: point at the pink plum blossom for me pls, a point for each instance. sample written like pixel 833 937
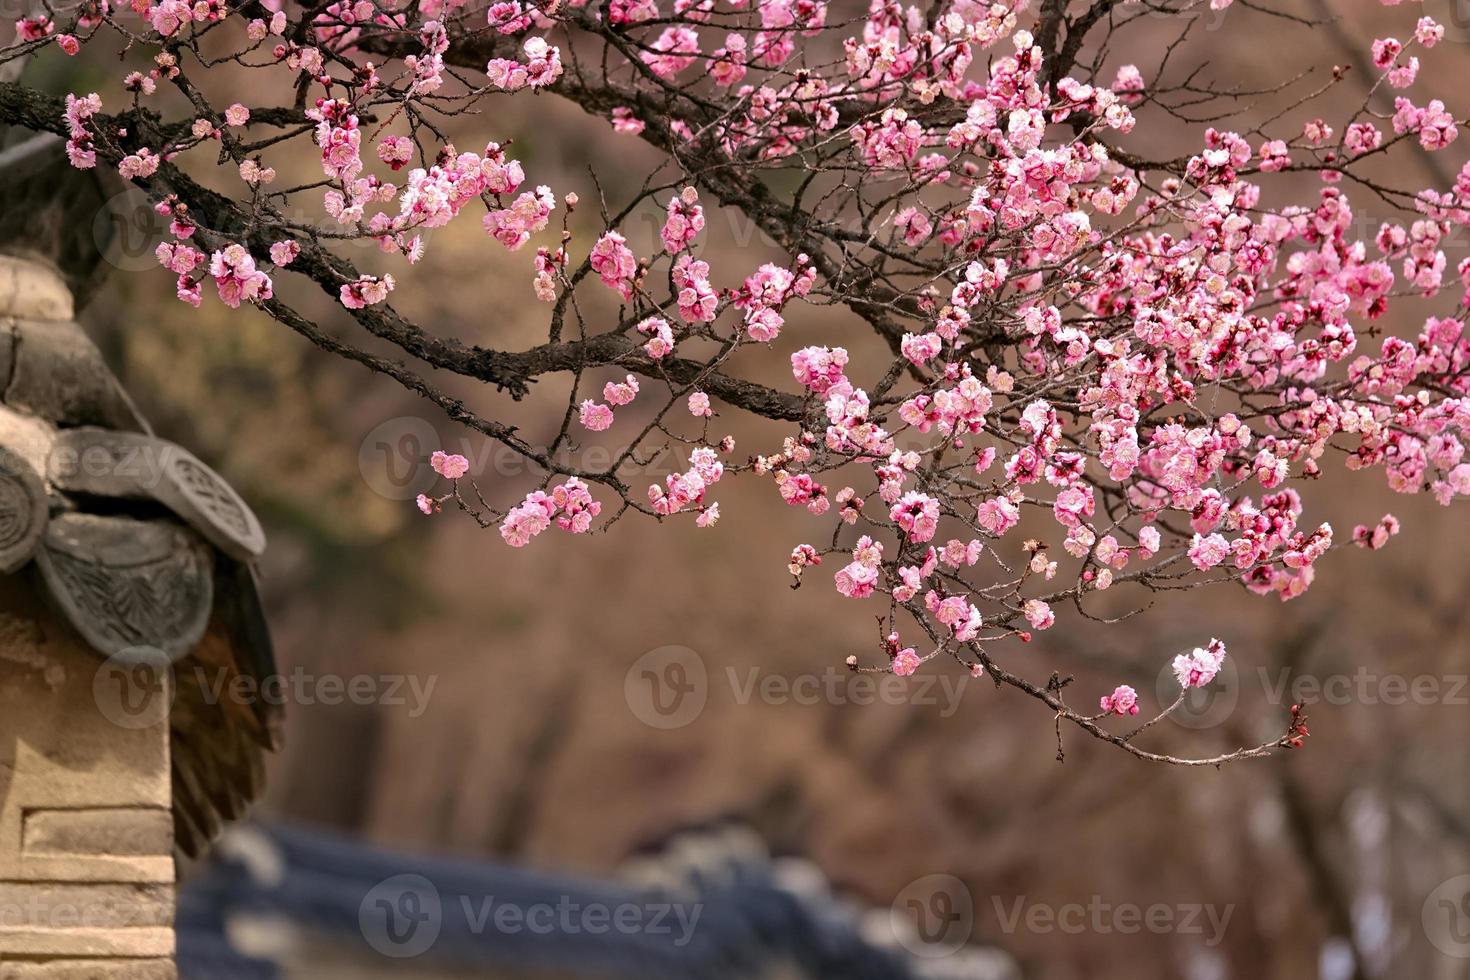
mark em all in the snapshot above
pixel 620 392
pixel 905 662
pixel 1198 667
pixel 1123 701
pixel 451 466
pixel 595 416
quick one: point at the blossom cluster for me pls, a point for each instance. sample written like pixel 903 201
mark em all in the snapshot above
pixel 1145 365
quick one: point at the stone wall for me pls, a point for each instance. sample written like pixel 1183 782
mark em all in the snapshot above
pixel 85 835
pixel 86 866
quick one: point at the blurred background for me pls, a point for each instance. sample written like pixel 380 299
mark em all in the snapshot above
pixel 573 705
